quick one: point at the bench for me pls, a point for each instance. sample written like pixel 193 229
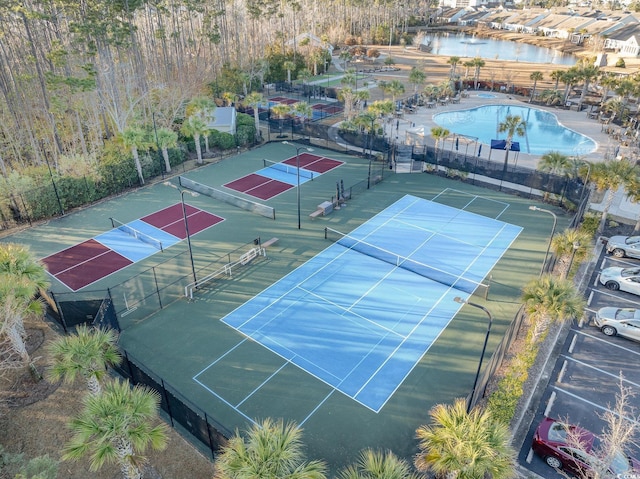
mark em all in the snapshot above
pixel 316 213
pixel 271 242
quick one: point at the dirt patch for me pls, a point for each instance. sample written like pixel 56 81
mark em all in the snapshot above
pixel 34 415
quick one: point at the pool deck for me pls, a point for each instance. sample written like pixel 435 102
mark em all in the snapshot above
pixel 577 121
pixel 607 145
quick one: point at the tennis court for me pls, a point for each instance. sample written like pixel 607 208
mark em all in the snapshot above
pixel 277 177
pixel 127 243
pixel 361 314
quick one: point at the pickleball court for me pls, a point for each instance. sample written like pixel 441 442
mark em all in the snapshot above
pixel 94 259
pixel 361 314
pixel 276 178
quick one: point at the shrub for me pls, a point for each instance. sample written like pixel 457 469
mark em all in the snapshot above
pixel 590 223
pixel 620 63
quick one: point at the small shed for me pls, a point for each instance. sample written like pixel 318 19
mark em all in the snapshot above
pixel 224 119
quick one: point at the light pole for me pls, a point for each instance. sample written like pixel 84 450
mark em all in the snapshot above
pixel 298 148
pixel 458 299
pixel 186 225
pixel 553 230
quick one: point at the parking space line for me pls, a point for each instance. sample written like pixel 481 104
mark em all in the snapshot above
pixel 580 398
pixel 573 343
pixel 595 281
pixel 607 293
pixel 590 298
pixel 606 373
pixel 608 342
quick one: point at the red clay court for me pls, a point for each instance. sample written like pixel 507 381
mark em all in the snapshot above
pixel 264 188
pixel 89 261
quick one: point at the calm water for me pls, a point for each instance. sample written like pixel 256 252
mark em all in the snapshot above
pixel 466 46
pixel 543 132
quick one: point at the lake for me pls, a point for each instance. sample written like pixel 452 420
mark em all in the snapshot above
pixel 468 46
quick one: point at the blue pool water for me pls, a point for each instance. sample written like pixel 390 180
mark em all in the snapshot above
pixel 543 133
pixel 486 95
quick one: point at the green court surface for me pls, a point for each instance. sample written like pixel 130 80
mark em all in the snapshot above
pixel 187 338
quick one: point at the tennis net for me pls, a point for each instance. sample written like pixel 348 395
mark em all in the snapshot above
pixel 424 270
pixel 292 170
pixel 139 235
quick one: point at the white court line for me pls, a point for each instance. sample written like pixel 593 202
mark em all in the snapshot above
pixel 377 228
pixel 211 391
pixel 221 357
pixel 256 389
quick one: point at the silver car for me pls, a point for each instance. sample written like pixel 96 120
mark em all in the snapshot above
pixel 623 279
pixel 623 322
pixel 621 246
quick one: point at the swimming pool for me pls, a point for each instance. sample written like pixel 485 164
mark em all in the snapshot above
pixel 543 133
pixel 486 95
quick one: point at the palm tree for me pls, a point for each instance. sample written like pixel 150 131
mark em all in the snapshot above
pixel 345 56
pixel 347 95
pixel 280 111
pixel 272 449
pixel 609 176
pixel 254 100
pixel 87 354
pixel 439 134
pixel 22 277
pixel 554 162
pixel 453 61
pixel 535 77
pixel 378 465
pixel 167 138
pixel 465 445
pixel 349 77
pixel 117 426
pixel 203 107
pixel 229 99
pixel 549 299
pixel 477 63
pixel 288 65
pixel 587 72
pixel 557 76
pixel 608 81
pixel 551 97
pixel 395 88
pixel 569 77
pixel 303 109
pixel 512 125
pixel 134 138
pixel 569 246
pixel 417 77
pixel 196 127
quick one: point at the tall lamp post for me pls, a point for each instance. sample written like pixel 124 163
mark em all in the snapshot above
pixel 298 149
pixel 186 225
pixel 458 299
pixel 553 230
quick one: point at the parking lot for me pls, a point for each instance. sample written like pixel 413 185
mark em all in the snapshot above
pixel 587 374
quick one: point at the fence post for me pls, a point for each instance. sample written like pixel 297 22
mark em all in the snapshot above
pixel 166 398
pixel 206 421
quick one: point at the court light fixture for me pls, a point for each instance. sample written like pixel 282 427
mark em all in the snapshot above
pixel 460 300
pixel 298 149
pixel 186 225
pixel 553 230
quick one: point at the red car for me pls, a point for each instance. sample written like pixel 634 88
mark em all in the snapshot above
pixel 551 443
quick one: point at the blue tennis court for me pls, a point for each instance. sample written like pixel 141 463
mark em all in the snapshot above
pixel 362 313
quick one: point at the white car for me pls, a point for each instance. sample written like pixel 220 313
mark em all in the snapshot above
pixel 621 246
pixel 623 322
pixel 623 279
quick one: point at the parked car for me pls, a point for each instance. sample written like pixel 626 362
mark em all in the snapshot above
pixel 621 246
pixel 623 322
pixel 571 448
pixel 623 279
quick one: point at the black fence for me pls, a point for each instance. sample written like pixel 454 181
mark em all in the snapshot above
pixel 180 411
